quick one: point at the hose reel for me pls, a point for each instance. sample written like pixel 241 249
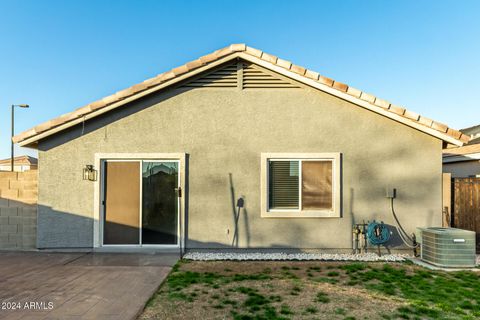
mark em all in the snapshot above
pixel 378 233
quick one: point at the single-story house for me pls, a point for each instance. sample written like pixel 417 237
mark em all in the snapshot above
pixel 238 148
pixel 20 164
pixel 464 161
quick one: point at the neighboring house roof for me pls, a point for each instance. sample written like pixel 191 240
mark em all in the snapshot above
pixel 468 152
pixel 473 132
pixel 20 161
pixel 286 68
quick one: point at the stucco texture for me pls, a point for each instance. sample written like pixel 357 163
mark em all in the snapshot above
pixel 224 131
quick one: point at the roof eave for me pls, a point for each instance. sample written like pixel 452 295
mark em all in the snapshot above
pixel 30 140
pixel 299 74
pixel 352 99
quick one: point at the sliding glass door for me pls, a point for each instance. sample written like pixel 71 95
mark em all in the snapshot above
pixel 141 202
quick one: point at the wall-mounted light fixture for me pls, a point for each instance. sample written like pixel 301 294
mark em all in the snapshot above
pixel 89 173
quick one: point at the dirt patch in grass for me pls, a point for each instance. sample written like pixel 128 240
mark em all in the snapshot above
pixel 307 290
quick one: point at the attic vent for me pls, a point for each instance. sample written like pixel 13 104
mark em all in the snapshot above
pixel 241 75
pixel 257 77
pixel 225 77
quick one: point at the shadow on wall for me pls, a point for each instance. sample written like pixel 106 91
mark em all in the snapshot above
pixel 18 224
pixel 395 240
pixel 385 216
pixel 104 119
pixel 58 229
pixel 416 200
pixel 18 210
pixel 74 231
pixel 237 207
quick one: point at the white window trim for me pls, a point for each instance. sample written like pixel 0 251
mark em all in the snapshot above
pixel 335 157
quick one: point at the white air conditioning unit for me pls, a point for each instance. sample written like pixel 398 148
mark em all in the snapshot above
pixel 448 247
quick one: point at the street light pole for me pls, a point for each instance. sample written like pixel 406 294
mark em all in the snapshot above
pixel 13 132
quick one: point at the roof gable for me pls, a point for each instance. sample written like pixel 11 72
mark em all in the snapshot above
pixel 254 56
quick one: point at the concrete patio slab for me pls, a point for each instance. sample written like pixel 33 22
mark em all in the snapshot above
pixel 40 285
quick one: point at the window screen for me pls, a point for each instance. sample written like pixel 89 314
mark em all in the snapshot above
pixel 317 185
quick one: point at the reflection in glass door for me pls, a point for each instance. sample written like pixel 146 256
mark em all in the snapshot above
pixel 159 202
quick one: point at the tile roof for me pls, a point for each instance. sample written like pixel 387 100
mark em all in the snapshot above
pixel 391 110
pixel 472 131
pixel 460 151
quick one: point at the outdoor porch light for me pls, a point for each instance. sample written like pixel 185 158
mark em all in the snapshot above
pixel 89 173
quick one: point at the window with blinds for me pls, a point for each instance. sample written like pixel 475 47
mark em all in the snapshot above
pixel 283 185
pixel 303 184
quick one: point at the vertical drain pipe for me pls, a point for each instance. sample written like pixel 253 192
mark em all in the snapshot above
pixel 180 236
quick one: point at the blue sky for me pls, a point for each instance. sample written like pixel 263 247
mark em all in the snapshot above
pixel 60 55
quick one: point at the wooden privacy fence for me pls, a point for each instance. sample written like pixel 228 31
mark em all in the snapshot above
pixel 466 204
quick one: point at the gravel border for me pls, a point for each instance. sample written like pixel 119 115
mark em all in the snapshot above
pixel 367 257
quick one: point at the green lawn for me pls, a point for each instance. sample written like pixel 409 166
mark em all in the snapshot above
pixel 313 290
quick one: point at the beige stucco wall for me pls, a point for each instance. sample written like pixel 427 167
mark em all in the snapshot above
pixel 224 131
pixel 464 169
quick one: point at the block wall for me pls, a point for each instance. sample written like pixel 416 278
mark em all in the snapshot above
pixel 18 209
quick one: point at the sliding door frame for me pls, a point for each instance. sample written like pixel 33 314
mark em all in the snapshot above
pixel 98 210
